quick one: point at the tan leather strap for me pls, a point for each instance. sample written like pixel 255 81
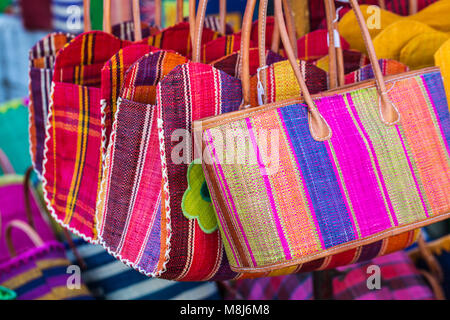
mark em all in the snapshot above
pixel 26 194
pixel 388 113
pixel 413 7
pixel 137 21
pixel 290 21
pixel 158 13
pixel 429 258
pixel 107 25
pixel 318 127
pixel 329 14
pixel 6 166
pixel 179 17
pixel 86 15
pixel 434 284
pixel 29 231
pixel 382 4
pixel 262 26
pixel 199 23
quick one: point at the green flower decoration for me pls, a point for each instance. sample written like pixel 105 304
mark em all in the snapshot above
pixel 196 202
pixel 7 294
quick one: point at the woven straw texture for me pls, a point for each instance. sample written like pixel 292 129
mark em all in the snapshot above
pixel 131 224
pixel 72 157
pixel 191 91
pixel 365 181
pixel 113 73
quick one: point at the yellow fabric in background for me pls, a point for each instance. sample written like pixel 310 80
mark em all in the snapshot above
pixel 300 11
pixel 389 42
pixel 419 52
pixel 442 59
pixel 436 16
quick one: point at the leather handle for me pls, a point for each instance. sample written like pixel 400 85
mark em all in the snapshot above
pixel 413 7
pixel 318 127
pixel 86 15
pixel 27 229
pixel 262 23
pixel 107 25
pixel 333 69
pixel 196 34
pixel 137 21
pixel 388 113
pixel 26 194
pixel 158 13
pixel 6 166
pixel 179 17
pixel 262 18
pixel 382 4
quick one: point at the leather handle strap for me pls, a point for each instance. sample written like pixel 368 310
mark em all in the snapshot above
pixel 27 229
pixel 388 113
pixel 158 13
pixel 6 166
pixel 179 17
pixel 333 69
pixel 26 194
pixel 382 4
pixel 198 20
pixel 413 7
pixel 86 15
pixel 318 127
pixel 137 21
pixel 262 26
pixel 107 25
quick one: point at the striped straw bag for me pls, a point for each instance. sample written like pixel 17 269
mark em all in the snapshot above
pixel 352 166
pixel 72 156
pixel 42 60
pixel 130 222
pixel 41 272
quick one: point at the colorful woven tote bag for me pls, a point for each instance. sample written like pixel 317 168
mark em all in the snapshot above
pixel 39 273
pixel 42 60
pixel 19 202
pixel 113 73
pixel 335 183
pixel 72 156
pixel 135 230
